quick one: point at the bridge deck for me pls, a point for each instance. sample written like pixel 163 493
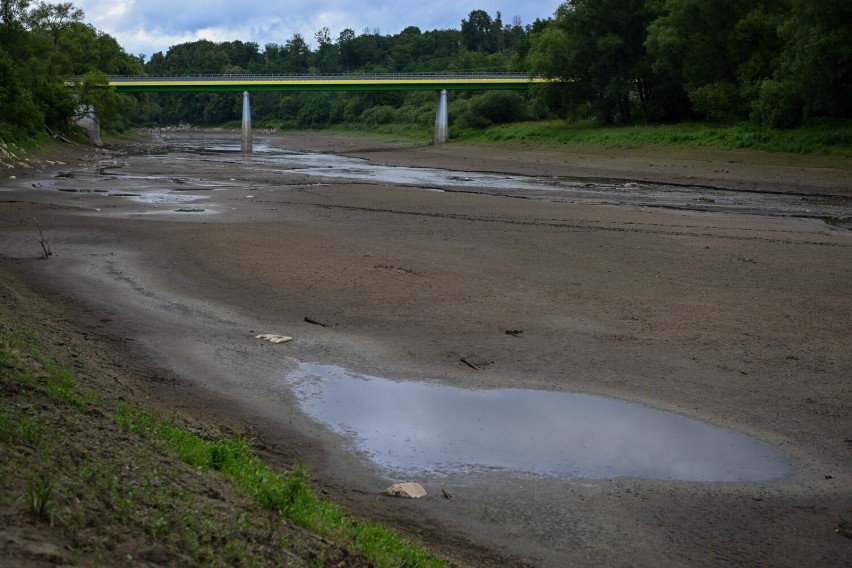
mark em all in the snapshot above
pixel 366 82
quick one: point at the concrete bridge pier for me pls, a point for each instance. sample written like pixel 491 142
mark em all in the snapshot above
pixel 88 120
pixel 245 142
pixel 441 127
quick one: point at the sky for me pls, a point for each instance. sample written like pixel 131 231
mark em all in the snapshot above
pixel 148 26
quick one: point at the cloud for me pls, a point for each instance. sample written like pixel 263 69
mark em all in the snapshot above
pixel 148 26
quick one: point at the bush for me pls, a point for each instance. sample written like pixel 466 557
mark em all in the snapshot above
pixel 777 106
pixel 500 107
pixel 717 101
pixel 488 109
pixel 382 114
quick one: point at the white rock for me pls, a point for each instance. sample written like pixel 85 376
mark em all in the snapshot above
pixel 407 490
pixel 272 338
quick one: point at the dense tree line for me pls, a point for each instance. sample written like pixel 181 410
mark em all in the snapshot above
pixel 482 44
pixel 775 62
pixel 42 44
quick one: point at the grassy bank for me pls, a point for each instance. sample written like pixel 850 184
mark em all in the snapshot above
pixel 93 479
pixel 407 133
pixel 832 138
pixel 829 138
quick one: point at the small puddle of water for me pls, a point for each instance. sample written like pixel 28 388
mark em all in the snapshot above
pixel 421 428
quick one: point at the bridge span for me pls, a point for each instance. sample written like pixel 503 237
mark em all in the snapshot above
pixel 334 82
pixel 438 82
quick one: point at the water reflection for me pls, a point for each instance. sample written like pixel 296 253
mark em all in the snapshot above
pixel 223 158
pixel 548 188
pixel 415 428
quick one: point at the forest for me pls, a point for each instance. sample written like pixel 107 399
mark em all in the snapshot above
pixel 776 64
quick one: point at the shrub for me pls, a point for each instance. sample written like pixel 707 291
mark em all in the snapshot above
pixel 716 101
pixel 777 106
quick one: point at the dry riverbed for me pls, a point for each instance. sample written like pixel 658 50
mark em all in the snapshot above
pixel 171 253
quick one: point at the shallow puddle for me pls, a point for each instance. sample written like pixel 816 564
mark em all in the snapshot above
pixel 421 428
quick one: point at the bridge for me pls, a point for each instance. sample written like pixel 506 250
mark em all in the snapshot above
pixel 336 82
pixel 438 82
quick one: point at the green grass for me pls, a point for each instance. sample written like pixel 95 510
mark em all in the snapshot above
pixel 18 425
pixel 288 493
pixel 821 137
pixel 57 380
pixel 75 461
pixel 410 133
pixel 825 138
pixel 40 503
pixel 405 133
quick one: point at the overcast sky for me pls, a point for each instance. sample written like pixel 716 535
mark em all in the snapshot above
pixel 148 26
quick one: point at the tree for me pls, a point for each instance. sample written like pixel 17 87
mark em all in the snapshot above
pixel 596 49
pixel 718 50
pixel 498 42
pixel 12 15
pixel 95 93
pixel 346 49
pixel 297 54
pixel 53 17
pixel 325 58
pixel 814 74
pixel 41 45
pixel 477 31
pixel 18 110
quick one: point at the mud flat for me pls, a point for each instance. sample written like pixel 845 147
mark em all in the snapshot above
pixel 726 302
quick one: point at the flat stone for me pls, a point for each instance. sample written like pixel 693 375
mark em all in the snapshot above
pixel 407 490
pixel 272 338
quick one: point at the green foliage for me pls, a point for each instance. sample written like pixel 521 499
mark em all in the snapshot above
pixel 383 114
pixel 716 101
pixel 777 62
pixel 409 51
pixel 828 137
pixel 56 380
pixel 40 502
pixel 476 31
pixel 288 493
pixel 777 106
pixel 596 49
pixel 95 95
pixel 486 109
pixel 18 426
pixel 110 492
pixel 815 64
pixel 40 46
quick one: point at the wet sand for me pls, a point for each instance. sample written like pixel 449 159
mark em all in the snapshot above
pixel 739 320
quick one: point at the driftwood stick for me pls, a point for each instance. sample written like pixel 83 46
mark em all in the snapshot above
pixel 45 246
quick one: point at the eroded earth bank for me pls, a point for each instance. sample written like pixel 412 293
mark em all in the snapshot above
pixel 712 285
